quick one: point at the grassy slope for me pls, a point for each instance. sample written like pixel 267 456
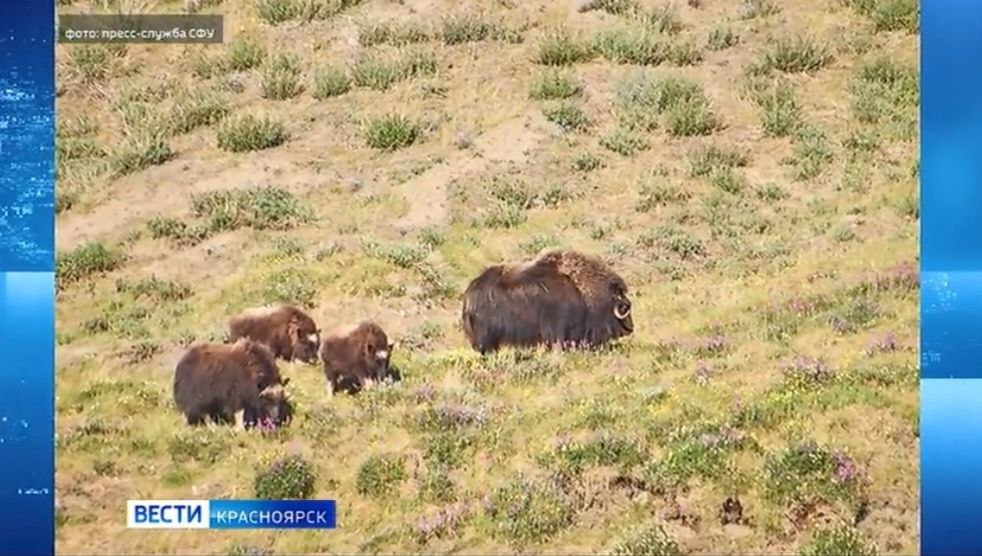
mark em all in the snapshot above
pixel 791 252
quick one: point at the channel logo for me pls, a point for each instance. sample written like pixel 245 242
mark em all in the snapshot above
pixel 231 514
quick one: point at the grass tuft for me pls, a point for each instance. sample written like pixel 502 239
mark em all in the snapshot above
pixel 555 84
pixel 260 208
pixel 797 54
pixel 561 48
pixel 281 77
pixel 391 132
pixel 86 260
pixel 330 82
pixel 251 133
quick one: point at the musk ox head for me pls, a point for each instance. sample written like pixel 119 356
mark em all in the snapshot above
pixel 604 291
pixel 377 350
pixel 305 337
pixel 274 409
pixel 620 307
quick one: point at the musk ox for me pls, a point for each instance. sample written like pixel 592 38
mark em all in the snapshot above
pixel 561 299
pixel 288 331
pixel 354 355
pixel 215 381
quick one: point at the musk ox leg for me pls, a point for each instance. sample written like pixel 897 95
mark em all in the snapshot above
pixel 222 418
pixel 195 419
pixel 249 418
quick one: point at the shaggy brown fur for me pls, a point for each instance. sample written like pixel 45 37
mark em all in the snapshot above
pixel 215 381
pixel 563 298
pixel 354 354
pixel 287 330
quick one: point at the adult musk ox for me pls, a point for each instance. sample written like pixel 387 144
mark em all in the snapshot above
pixel 563 298
pixel 287 330
pixel 215 381
pixel 355 354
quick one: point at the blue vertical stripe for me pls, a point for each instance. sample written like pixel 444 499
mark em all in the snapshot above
pixel 951 280
pixel 26 276
pixel 26 413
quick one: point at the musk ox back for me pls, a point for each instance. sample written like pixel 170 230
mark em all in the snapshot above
pixel 355 354
pixel 215 381
pixel 563 298
pixel 288 331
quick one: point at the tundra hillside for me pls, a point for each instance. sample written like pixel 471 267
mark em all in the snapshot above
pixel 749 167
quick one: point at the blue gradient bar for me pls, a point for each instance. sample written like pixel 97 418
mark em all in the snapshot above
pixel 951 458
pixel 272 514
pixel 27 464
pixel 27 276
pixel 951 277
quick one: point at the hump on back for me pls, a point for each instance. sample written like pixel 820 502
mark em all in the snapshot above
pixel 288 331
pixel 562 298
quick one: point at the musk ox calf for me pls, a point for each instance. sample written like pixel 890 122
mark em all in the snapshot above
pixel 286 330
pixel 561 299
pixel 215 381
pixel 354 355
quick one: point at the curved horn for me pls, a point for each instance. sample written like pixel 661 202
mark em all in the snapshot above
pixel 619 315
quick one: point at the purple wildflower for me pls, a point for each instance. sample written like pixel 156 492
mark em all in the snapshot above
pixel 884 344
pixel 806 368
pixel 488 504
pixel 841 325
pixel 424 394
pixel 723 438
pixel 266 424
pixel 441 522
pixel 903 276
pixel 710 345
pixel 846 470
pixel 454 416
pixel 704 371
pixel 561 443
pixel 801 306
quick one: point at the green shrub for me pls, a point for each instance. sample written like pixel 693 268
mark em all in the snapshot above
pixel 281 77
pixel 86 260
pixel 380 475
pixel 624 142
pixel 808 473
pixel 526 511
pixel 249 133
pixel 555 84
pixel 391 33
pixel 139 153
pixel 707 160
pixel 391 132
pixel 559 48
pixel 568 117
pixel 796 55
pixel 331 82
pixel 261 208
pixel 194 110
pixel 245 54
pixel 632 46
pixel 291 477
pixel 721 38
